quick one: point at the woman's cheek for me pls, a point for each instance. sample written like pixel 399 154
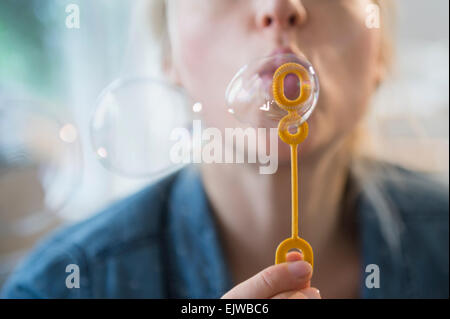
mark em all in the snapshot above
pixel 361 75
pixel 190 54
pixel 346 90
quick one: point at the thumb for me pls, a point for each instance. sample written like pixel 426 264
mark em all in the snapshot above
pixel 294 275
pixel 295 256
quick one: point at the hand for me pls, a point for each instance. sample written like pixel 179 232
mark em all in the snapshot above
pixel 289 280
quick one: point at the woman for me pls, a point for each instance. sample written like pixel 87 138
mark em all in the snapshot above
pixel 214 232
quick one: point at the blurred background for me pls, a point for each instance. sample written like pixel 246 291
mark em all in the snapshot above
pixel 51 76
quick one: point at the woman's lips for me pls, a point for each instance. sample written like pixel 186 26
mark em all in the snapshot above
pixel 291 86
pixel 291 82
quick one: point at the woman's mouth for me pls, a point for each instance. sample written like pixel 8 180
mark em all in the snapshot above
pixel 249 96
pixel 266 72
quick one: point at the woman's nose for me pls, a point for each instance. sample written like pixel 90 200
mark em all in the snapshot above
pixel 280 14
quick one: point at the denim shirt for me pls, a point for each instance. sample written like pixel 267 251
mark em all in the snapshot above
pixel 163 243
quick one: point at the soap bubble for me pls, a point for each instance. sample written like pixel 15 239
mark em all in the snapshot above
pixel 40 167
pixel 249 95
pixel 133 124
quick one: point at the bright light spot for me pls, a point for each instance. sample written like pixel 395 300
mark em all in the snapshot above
pixel 197 107
pixel 68 133
pixel 265 107
pixel 101 151
pixel 231 111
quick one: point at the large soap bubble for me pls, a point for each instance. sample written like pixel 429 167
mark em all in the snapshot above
pixel 249 95
pixel 133 124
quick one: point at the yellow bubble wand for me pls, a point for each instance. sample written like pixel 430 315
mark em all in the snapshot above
pixel 293 139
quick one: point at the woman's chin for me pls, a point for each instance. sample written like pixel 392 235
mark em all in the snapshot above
pixel 284 151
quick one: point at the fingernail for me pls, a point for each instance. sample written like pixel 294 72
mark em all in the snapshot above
pixel 318 293
pixel 299 268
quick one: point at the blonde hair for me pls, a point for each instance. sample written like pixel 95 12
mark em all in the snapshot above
pixel 388 13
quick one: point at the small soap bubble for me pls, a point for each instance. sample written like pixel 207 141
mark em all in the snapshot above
pixel 133 125
pixel 68 133
pixel 249 96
